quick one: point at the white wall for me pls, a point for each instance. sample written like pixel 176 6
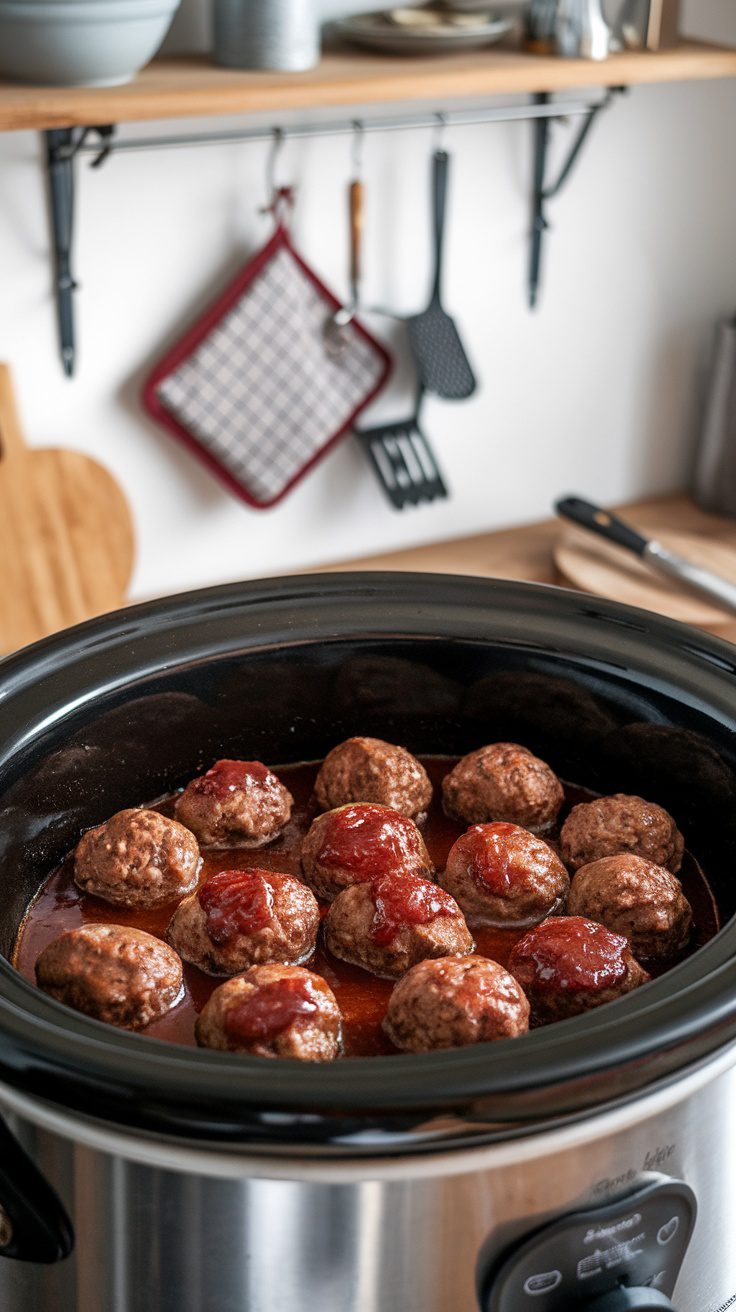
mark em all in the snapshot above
pixel 596 392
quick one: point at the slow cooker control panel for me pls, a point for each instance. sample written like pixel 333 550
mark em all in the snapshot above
pixel 619 1258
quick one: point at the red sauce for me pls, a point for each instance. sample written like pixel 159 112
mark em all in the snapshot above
pixel 568 952
pixel 365 839
pixel 500 856
pixel 235 902
pixel 362 998
pixel 270 1009
pixel 229 776
pixel 407 900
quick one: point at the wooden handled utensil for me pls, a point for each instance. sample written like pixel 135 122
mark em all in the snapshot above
pixel 66 536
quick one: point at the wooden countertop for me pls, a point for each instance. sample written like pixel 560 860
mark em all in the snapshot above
pixel 525 552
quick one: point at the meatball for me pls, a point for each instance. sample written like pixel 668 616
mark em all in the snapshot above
pixel 390 924
pixel 568 964
pixel 112 972
pixel 369 770
pixel 137 859
pixel 240 918
pixel 354 844
pixel 375 688
pixel 608 826
pixel 235 804
pixel 503 782
pixel 455 1001
pixel 635 898
pixel 273 1011
pixel 540 707
pixel 502 875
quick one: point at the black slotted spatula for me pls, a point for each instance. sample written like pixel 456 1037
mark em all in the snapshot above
pixel 442 364
pixel 403 460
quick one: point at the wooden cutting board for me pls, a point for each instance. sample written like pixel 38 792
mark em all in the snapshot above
pixel 594 565
pixel 66 535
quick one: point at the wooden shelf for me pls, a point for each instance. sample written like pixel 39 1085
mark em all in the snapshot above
pixel 191 87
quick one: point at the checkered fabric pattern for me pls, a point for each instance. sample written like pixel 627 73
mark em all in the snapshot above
pixel 261 393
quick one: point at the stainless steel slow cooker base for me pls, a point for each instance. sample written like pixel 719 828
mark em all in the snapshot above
pixel 166 1227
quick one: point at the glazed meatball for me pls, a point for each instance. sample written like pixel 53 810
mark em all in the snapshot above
pixel 112 972
pixel 608 826
pixel 137 859
pixel 455 1001
pixel 503 782
pixel 635 898
pixel 390 924
pixel 502 875
pixel 273 1011
pixel 369 770
pixel 241 918
pixel 235 804
pixel 354 844
pixel 568 964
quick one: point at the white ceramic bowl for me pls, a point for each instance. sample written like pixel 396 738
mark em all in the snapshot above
pixel 80 43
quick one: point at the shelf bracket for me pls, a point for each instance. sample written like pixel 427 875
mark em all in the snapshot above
pixel 543 192
pixel 62 145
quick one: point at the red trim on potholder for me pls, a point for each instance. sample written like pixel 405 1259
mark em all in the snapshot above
pixel 195 335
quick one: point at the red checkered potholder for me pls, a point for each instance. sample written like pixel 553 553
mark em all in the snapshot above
pixel 252 389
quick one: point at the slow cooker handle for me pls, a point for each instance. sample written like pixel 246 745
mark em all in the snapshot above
pixel 34 1226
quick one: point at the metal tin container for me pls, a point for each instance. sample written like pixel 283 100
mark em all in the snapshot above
pixel 269 34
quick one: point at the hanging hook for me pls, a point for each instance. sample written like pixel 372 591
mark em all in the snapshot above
pixel 356 152
pixel 272 187
pixel 439 132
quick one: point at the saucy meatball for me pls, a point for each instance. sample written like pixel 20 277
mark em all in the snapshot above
pixel 240 918
pixel 112 972
pixel 503 781
pixel 636 898
pixel 569 964
pixel 500 874
pixel 235 804
pixel 369 770
pixel 273 1011
pixel 608 826
pixel 354 844
pixel 393 922
pixel 455 1001
pixel 137 858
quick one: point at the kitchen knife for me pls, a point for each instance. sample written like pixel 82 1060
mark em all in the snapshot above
pixel 607 525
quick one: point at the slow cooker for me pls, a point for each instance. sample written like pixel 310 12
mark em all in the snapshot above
pixel 588 1165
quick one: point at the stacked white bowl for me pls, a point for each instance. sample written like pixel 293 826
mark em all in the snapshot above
pixel 80 43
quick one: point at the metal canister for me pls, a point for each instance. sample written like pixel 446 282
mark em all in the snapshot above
pixel 273 34
pixel 714 483
pixel 574 29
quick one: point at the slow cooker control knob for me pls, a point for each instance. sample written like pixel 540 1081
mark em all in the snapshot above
pixel 631 1300
pixel 624 1256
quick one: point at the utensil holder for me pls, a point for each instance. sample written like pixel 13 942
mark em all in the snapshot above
pixel 269 34
pixel 715 468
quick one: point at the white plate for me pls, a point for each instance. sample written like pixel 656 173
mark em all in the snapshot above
pixel 376 32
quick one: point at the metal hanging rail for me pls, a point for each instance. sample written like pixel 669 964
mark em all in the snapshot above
pixel 63 145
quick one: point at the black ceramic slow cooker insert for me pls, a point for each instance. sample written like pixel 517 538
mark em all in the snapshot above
pixel 132 705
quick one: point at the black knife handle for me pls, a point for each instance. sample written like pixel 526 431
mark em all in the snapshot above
pixel 607 525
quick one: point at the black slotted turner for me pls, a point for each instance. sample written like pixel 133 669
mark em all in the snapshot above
pixel 442 364
pixel 403 460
